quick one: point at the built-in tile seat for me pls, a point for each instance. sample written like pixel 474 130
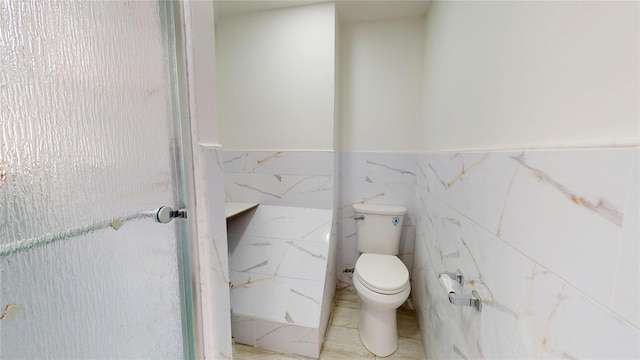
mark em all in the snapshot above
pixel 278 260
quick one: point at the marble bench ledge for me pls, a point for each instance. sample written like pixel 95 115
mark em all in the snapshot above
pixel 233 210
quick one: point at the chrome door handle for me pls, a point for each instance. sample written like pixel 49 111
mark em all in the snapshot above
pixel 165 214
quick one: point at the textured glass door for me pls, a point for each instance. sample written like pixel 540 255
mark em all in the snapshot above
pixel 89 148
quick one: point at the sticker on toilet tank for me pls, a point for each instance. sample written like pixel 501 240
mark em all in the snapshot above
pixel 395 221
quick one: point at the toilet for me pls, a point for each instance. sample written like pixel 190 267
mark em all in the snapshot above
pixel 380 278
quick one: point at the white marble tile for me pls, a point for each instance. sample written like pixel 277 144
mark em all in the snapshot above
pixel 407 244
pixel 306 191
pixel 626 296
pixel 304 303
pixel 278 257
pixel 418 280
pixel 347 257
pixel 378 167
pixel 285 223
pixel 285 338
pixel 250 253
pixel 288 236
pixel 436 322
pixel 432 307
pixel 238 161
pixel 495 346
pixel 470 248
pixel 299 259
pixel 347 223
pixel 560 208
pixel 287 252
pixel 390 172
pixel 560 322
pixel 501 291
pixel 445 233
pixel 330 283
pixel 242 328
pixel 212 239
pixel 476 184
pixel 280 162
pixel 261 296
pixel 286 190
pixel 390 168
pixel 564 210
pixel 260 188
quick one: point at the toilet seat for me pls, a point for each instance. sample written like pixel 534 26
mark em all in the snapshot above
pixel 384 274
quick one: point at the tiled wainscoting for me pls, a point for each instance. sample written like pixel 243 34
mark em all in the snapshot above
pixel 282 256
pixel 550 240
pixel 288 178
pixel 212 243
pixel 278 261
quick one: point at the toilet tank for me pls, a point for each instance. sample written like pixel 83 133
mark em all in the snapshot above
pixel 378 228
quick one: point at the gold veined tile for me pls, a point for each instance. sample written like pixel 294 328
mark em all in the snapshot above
pixel 345 317
pixel 408 349
pixel 408 324
pixel 347 297
pixel 338 352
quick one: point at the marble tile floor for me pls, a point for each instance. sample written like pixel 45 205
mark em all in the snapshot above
pixel 342 340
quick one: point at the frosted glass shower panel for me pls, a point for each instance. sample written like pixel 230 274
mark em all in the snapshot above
pixel 87 134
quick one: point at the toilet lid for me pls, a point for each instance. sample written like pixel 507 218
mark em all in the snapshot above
pixel 382 273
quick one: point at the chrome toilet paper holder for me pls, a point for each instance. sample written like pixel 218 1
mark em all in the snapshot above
pixel 474 300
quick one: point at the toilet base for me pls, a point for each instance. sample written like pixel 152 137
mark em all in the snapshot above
pixel 378 325
pixel 379 330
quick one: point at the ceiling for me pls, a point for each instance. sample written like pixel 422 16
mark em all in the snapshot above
pixel 347 10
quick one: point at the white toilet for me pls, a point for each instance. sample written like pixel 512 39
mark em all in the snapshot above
pixel 380 278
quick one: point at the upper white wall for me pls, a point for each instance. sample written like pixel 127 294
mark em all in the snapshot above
pixel 201 71
pixel 381 84
pixel 276 79
pixel 531 74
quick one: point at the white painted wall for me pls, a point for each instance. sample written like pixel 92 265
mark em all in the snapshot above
pixel 531 74
pixel 202 73
pixel 276 79
pixel 381 85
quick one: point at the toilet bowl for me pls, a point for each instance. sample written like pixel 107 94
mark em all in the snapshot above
pixel 382 283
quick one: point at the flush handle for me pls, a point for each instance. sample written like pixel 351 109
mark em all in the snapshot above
pixel 361 217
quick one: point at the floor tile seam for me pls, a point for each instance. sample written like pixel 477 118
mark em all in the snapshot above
pixel 409 338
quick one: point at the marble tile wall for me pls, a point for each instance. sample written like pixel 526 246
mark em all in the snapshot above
pixel 290 259
pixel 374 178
pixel 279 262
pixel 287 178
pixel 548 238
pixel 212 244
